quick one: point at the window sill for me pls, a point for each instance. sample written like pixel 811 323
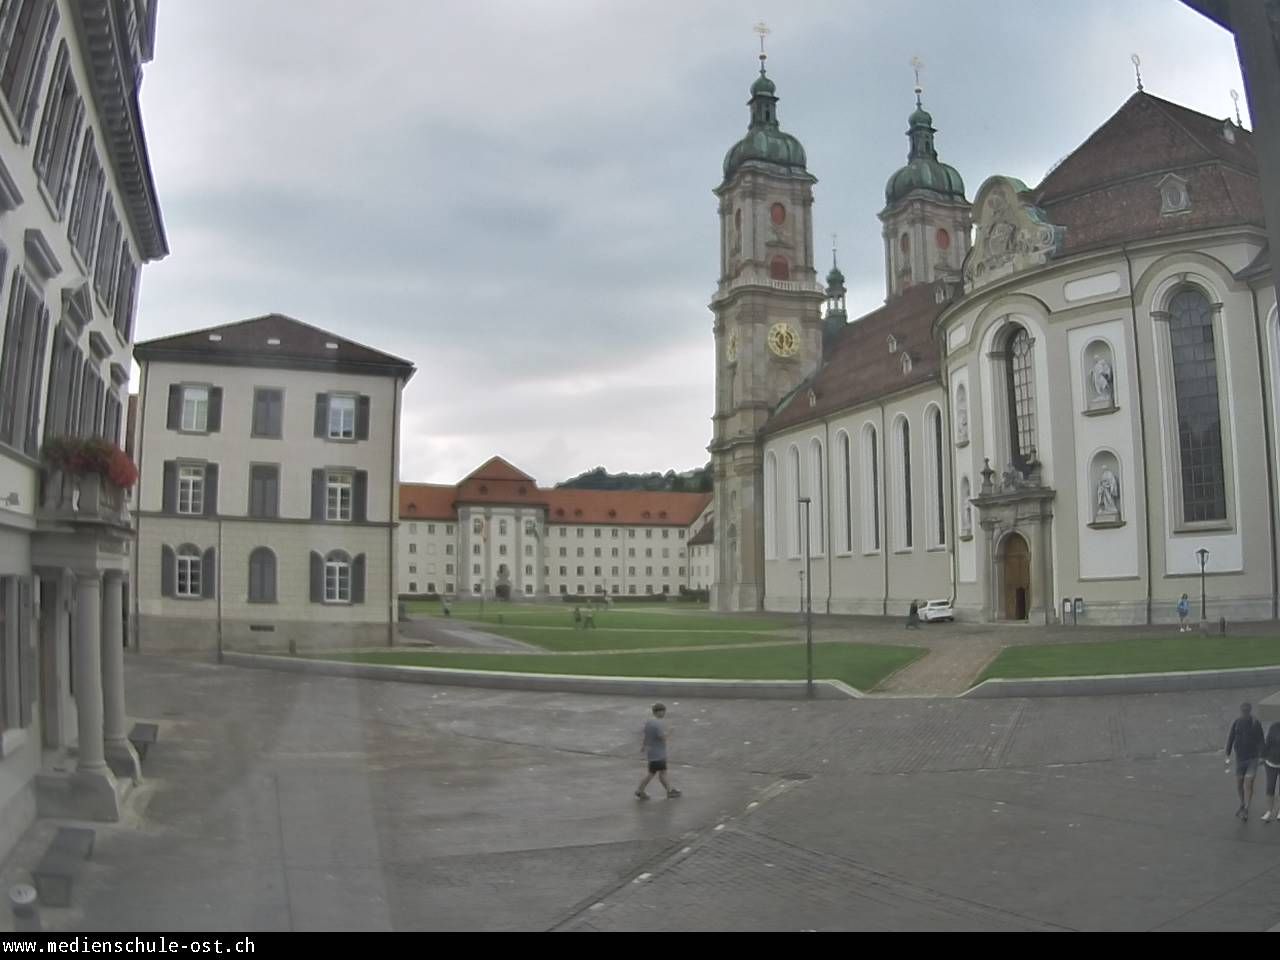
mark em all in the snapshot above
pixel 11 741
pixel 904 551
pixel 1099 411
pixel 341 439
pixel 262 602
pixel 187 599
pixel 1204 526
pixel 193 433
pixel 266 436
pixel 940 548
pixel 337 603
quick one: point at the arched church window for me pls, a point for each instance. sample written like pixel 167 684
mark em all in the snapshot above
pixel 871 480
pixel 817 497
pixel 904 439
pixel 1195 380
pixel 1019 364
pixel 793 490
pixel 770 506
pixel 846 494
pixel 939 491
pixel 779 269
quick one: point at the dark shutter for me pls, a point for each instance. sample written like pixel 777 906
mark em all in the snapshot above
pixel 26 654
pixel 175 407
pixel 208 573
pixel 170 495
pixel 168 571
pixel 317 494
pixel 322 414
pixel 211 490
pixel 273 492
pixel 317 578
pixel 213 422
pixel 362 418
pixel 357 579
pixel 268 577
pixel 360 496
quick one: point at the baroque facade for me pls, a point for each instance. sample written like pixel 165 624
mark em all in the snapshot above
pixel 1069 393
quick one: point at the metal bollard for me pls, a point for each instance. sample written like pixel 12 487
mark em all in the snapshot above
pixel 26 911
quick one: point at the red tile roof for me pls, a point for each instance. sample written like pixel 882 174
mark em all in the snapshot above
pixel 427 501
pixel 859 368
pixel 498 482
pixel 1105 192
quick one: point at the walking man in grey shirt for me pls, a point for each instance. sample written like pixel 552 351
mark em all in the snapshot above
pixel 655 751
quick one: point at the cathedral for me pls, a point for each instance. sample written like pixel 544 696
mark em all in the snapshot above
pixel 1066 408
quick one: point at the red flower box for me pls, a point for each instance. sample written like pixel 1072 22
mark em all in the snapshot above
pixel 79 456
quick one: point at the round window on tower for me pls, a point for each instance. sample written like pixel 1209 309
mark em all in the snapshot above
pixel 904 243
pixel 944 239
pixel 779 214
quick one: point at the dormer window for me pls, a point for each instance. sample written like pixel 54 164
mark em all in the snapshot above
pixel 906 363
pixel 1174 196
pixel 893 343
pixel 813 399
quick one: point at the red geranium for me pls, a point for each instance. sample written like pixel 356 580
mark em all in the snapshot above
pixel 79 456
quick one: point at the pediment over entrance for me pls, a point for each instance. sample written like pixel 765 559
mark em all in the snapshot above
pixel 1010 233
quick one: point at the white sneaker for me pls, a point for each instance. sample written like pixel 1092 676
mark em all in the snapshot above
pixel 1266 816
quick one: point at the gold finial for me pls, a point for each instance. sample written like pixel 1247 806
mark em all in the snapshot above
pixel 917 65
pixel 763 30
pixel 1137 68
pixel 1235 98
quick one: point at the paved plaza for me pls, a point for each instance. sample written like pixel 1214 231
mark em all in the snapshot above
pixel 276 801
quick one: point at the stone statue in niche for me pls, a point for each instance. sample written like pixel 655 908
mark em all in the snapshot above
pixel 1107 500
pixel 967 527
pixel 962 418
pixel 1102 380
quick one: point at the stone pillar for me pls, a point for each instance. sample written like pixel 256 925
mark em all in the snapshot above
pixel 119 752
pixel 94 786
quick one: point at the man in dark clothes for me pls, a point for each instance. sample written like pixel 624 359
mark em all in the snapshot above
pixel 1247 738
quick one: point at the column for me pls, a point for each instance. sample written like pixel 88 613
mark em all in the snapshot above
pixel 119 752
pixel 88 672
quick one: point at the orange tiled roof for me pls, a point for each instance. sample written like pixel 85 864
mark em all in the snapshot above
pixel 498 482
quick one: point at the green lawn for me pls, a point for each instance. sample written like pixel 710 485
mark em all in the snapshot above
pixel 859 665
pixel 654 617
pixel 569 639
pixel 1183 651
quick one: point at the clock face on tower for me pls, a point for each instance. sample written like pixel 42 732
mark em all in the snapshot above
pixel 783 340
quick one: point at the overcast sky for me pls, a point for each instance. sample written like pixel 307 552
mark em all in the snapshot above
pixel 516 196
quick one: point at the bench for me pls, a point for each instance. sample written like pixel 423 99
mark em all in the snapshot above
pixel 142 736
pixel 61 864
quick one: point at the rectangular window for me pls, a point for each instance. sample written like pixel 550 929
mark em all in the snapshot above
pixel 195 409
pixel 531 528
pixel 448 549
pixel 342 417
pixel 599 533
pixel 264 490
pixel 413 528
pixel 59 131
pixel 475 568
pixel 564 551
pixel 191 489
pixel 648 571
pixel 188 579
pixel 614 571
pixel 477 525
pixel 648 534
pixel 682 534
pixel 564 571
pixel 413 548
pixel 448 568
pixel 22 364
pixel 502 549
pixel 631 589
pixel 581 552
pixel 268 407
pixel 631 551
pixel 413 587
pixel 431 528
pixel 597 551
pixel 448 530
pixel 580 569
pixel 682 571
pixel 666 534
pixel 413 568
pixel 475 550
pixel 338 487
pixel 106 270
pixel 614 533
pixel 631 571
pixel 26 33
pixel 581 533
pixel 337 581
pixel 648 551
pixel 502 528
pixel 631 534
pixel 86 201
pixel 528 569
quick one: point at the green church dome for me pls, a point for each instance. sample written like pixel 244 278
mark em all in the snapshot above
pixel 764 140
pixel 923 171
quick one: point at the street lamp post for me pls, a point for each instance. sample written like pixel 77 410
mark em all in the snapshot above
pixel 1203 556
pixel 808 602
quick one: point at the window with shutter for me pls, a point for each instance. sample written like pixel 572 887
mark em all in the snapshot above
pixel 190 499
pixel 59 131
pixel 27 29
pixel 342 418
pixel 22 364
pixel 337 577
pixel 188 582
pixel 262 576
pixel 264 490
pixel 86 201
pixel 267 406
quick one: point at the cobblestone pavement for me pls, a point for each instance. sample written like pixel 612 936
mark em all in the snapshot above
pixel 278 801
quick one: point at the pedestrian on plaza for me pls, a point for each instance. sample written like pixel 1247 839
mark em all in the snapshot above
pixel 577 617
pixel 654 747
pixel 1247 738
pixel 913 616
pixel 1184 611
pixel 589 620
pixel 444 605
pixel 1271 758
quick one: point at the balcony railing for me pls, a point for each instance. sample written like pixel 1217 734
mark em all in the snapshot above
pixel 86 498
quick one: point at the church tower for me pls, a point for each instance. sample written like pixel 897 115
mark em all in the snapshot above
pixel 768 329
pixel 926 216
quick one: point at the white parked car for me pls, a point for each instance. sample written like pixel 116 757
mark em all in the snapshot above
pixel 936 610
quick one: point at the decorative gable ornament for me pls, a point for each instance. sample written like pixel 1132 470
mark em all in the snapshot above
pixel 1174 195
pixel 1010 233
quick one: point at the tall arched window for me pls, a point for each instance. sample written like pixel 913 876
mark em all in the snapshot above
pixel 905 521
pixel 1195 381
pixel 793 498
pixel 770 506
pixel 845 494
pixel 871 490
pixel 262 576
pixel 817 496
pixel 1019 365
pixel 938 499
